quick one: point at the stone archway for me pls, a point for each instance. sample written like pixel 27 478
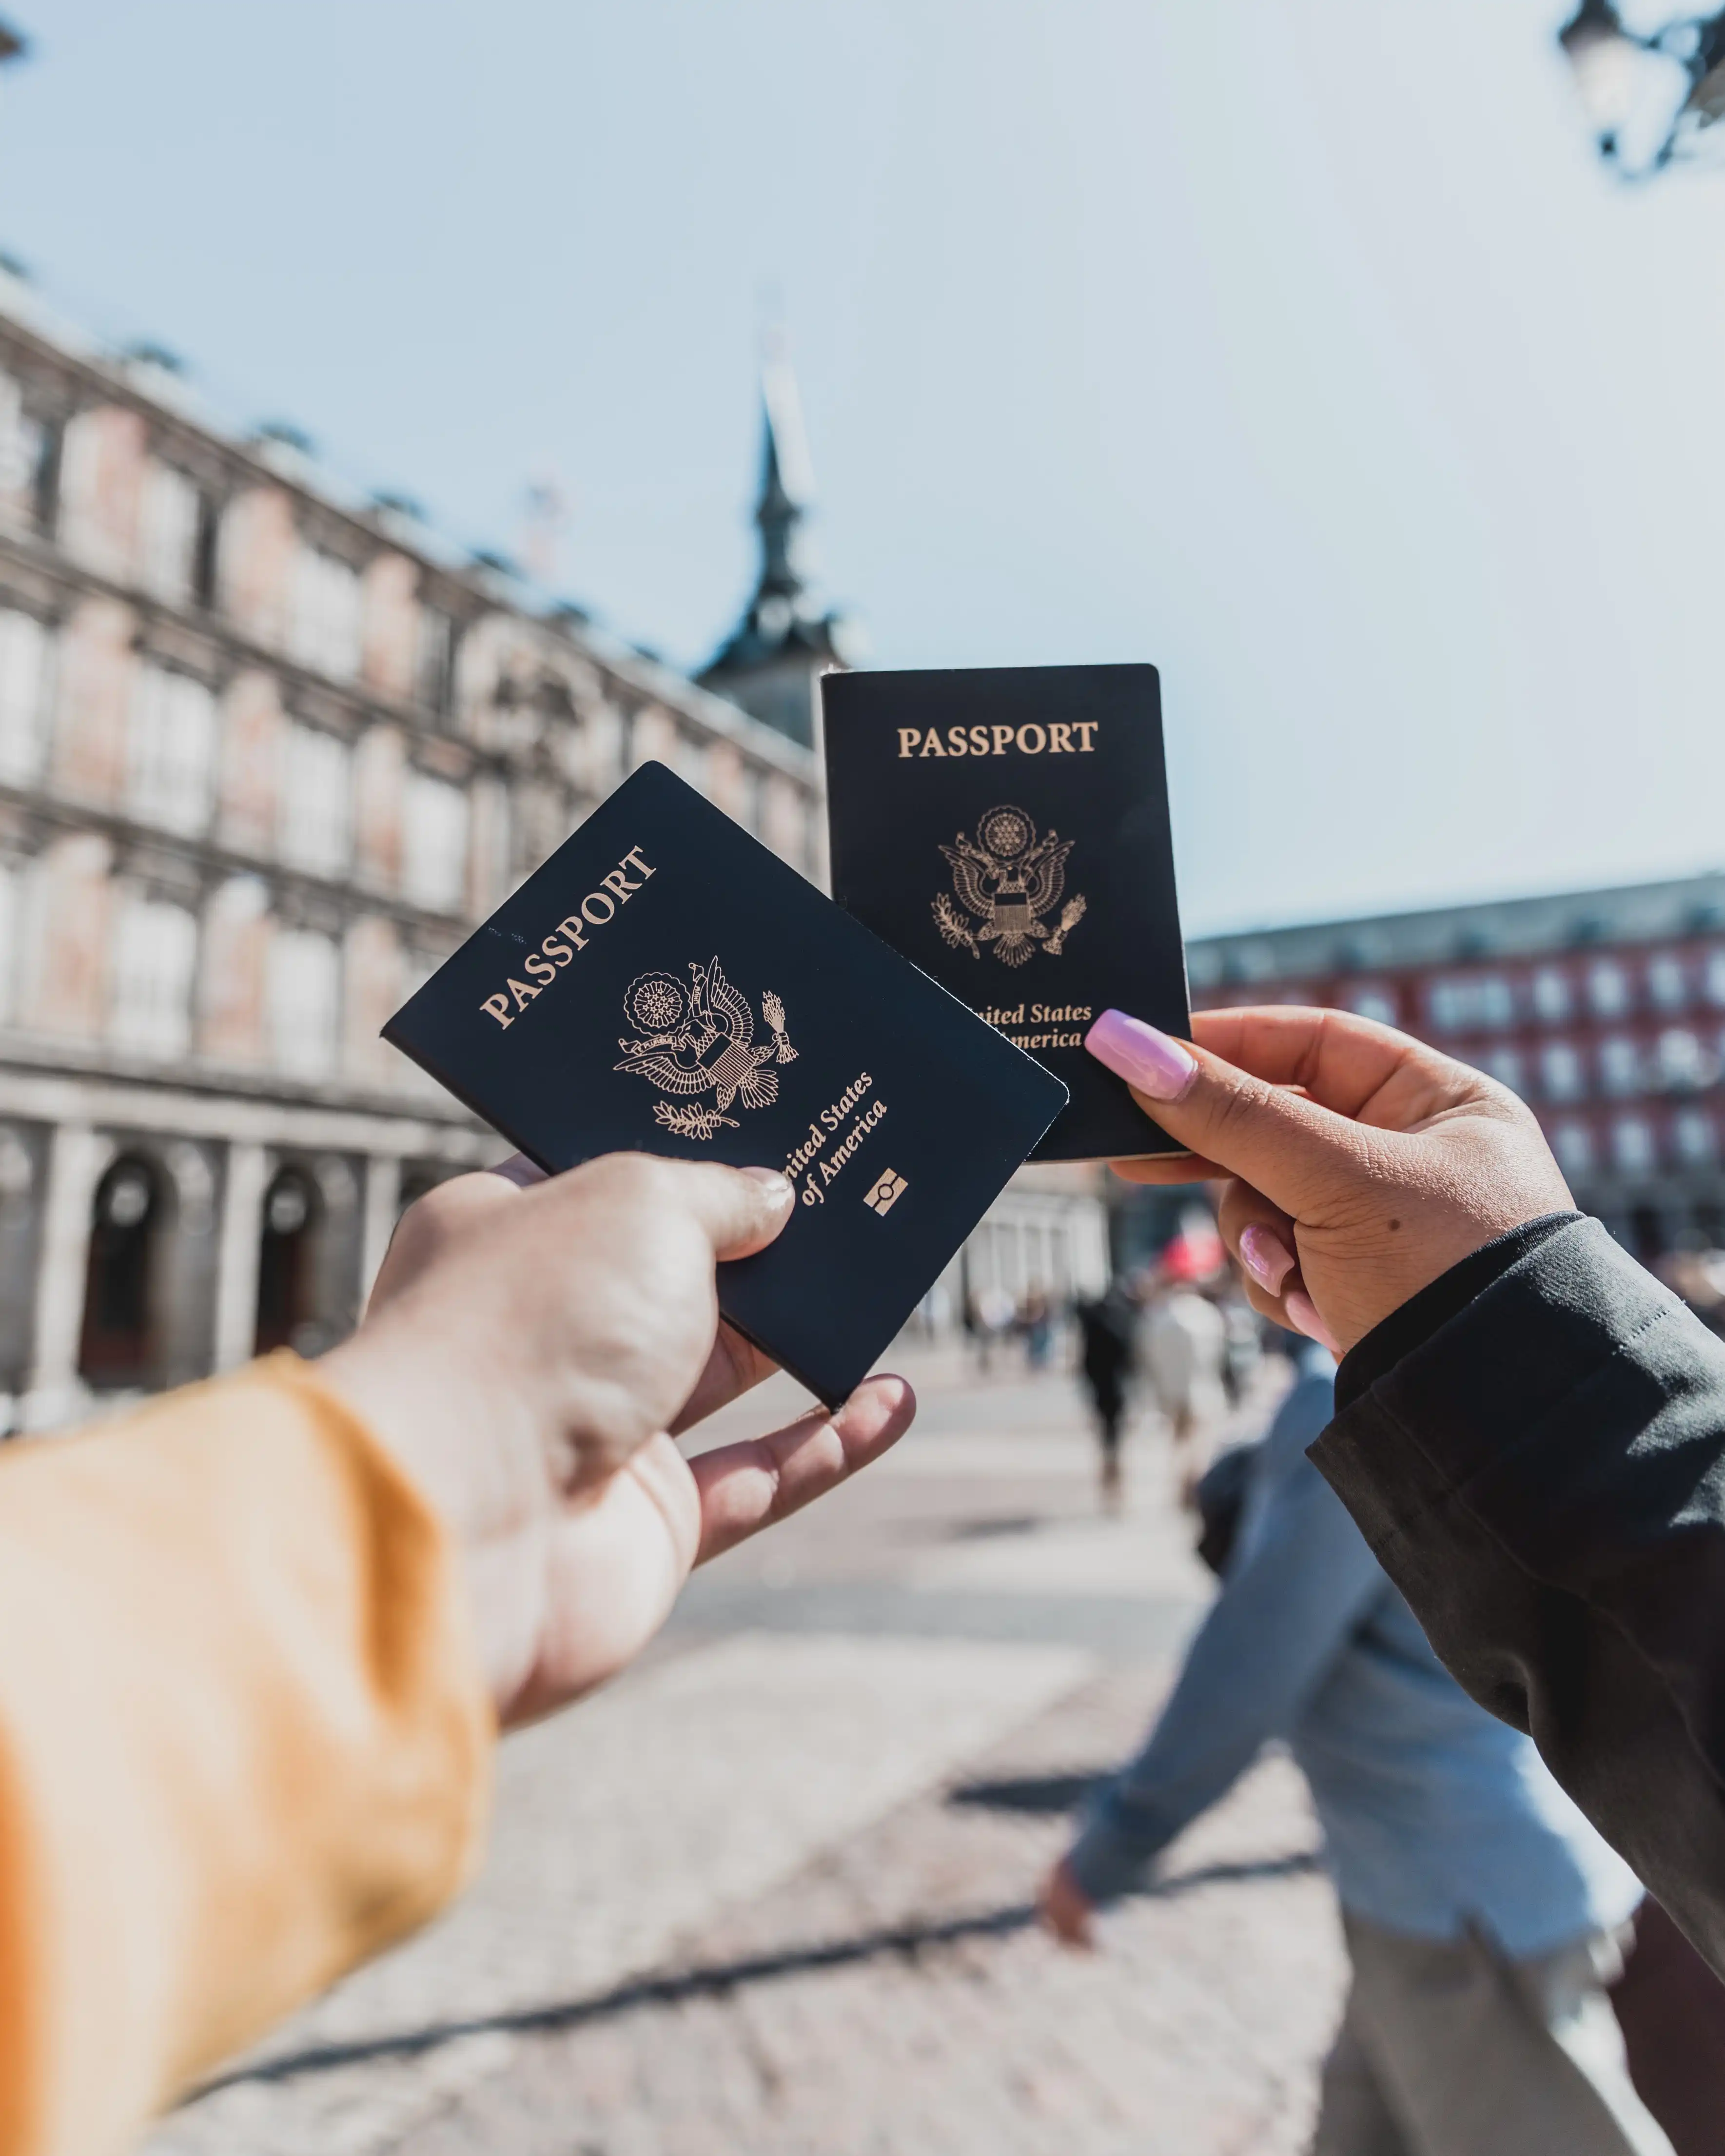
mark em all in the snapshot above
pixel 120 1344
pixel 288 1285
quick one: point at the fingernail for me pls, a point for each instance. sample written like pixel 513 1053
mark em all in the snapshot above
pixel 1150 1060
pixel 777 1186
pixel 519 1170
pixel 1266 1258
pixel 1302 1314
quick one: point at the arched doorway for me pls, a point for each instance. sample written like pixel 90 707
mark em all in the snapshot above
pixel 119 1347
pixel 287 1261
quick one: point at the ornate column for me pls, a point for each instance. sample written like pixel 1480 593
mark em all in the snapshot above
pixel 239 1242
pixel 77 1155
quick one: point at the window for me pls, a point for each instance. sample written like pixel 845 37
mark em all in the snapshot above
pixel 1607 989
pixel 1373 1003
pixel 1551 995
pixel 1620 1065
pixel 435 669
pixel 315 801
pixel 327 614
pixel 206 556
pixel 1714 978
pixel 1667 983
pixel 304 992
pixel 1632 1146
pixel 155 953
pixel 1505 1066
pixel 26 654
pixel 172 521
pixel 1467 1002
pixel 29 462
pixel 172 749
pixel 434 835
pixel 1561 1072
pixel 1695 1136
pixel 1682 1063
pixel 1573 1145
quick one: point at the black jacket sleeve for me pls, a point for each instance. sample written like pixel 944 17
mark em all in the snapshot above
pixel 1542 1475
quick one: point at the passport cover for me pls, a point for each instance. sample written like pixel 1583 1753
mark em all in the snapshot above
pixel 665 984
pixel 1007 829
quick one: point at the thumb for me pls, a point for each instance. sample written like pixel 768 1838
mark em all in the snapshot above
pixel 1285 1145
pixel 742 1209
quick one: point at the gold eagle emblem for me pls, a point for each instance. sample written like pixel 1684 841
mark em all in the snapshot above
pixel 699 1037
pixel 1007 878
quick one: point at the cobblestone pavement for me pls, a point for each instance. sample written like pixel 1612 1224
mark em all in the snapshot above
pixel 770 1894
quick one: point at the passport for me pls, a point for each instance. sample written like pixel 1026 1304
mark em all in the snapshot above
pixel 665 984
pixel 1007 829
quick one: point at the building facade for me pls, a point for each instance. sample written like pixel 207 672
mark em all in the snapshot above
pixel 1603 1009
pixel 266 755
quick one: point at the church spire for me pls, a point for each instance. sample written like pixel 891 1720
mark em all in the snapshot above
pixel 787 479
pixel 784 642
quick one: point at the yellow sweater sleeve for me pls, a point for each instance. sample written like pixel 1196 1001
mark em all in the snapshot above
pixel 243 1739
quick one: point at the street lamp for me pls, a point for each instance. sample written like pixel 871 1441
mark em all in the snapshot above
pixel 1606 58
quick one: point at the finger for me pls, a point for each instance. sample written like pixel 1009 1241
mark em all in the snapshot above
pixel 742 1209
pixel 425 1230
pixel 1261 1238
pixel 1296 1152
pixel 1342 1061
pixel 1164 1168
pixel 1265 1246
pixel 519 1170
pixel 733 1366
pixel 745 1487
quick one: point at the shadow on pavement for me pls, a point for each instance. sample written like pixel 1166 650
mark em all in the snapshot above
pixel 908 1940
pixel 1036 1793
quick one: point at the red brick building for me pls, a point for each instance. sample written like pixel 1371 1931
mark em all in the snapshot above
pixel 1603 1009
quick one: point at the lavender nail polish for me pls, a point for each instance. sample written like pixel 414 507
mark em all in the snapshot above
pixel 1149 1060
pixel 1302 1312
pixel 1266 1258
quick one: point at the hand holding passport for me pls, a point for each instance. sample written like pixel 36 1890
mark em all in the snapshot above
pixel 664 983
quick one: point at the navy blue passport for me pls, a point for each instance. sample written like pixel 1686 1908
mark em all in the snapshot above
pixel 665 984
pixel 1007 829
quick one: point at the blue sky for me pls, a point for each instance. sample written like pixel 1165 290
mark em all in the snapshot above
pixel 1303 350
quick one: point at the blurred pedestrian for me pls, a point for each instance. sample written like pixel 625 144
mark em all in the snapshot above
pixel 1242 1337
pixel 1185 1340
pixel 1483 1916
pixel 995 1314
pixel 1107 1329
pixel 1036 1322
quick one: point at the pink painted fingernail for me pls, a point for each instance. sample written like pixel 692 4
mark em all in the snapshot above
pixel 1266 1258
pixel 519 1170
pixel 1302 1315
pixel 1152 1061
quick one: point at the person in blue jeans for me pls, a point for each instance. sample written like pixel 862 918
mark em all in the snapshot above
pixel 1483 1916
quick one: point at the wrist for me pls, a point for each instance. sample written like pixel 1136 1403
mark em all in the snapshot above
pixel 424 1410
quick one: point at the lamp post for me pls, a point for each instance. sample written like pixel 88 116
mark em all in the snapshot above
pixel 1606 58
